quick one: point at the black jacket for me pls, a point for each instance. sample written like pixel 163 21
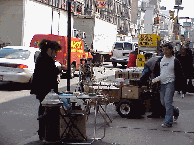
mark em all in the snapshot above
pixel 186 63
pixel 179 76
pixel 45 76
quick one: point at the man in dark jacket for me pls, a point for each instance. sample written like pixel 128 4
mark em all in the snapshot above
pixel 169 73
pixel 45 77
pixel 147 74
pixel 186 60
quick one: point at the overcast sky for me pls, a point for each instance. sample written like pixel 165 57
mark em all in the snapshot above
pixel 188 10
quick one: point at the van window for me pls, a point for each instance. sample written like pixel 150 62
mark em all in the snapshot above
pixel 118 45
pixel 127 46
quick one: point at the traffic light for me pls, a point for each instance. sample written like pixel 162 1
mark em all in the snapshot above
pixel 156 20
pixel 171 14
pixel 175 20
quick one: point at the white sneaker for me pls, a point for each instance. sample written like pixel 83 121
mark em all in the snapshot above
pixel 183 95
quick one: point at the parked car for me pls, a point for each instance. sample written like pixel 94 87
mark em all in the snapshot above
pixel 120 52
pixel 17 63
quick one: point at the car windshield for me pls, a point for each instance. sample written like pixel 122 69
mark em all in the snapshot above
pixel 127 46
pixel 6 51
pixel 20 54
pixel 118 45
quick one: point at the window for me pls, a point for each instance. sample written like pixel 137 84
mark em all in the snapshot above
pixel 118 45
pixel 20 54
pixel 127 46
pixel 6 51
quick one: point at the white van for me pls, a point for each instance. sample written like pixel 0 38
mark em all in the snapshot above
pixel 120 52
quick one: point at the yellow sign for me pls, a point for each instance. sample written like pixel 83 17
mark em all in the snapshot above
pixel 76 44
pixel 140 60
pixel 148 40
pixel 77 50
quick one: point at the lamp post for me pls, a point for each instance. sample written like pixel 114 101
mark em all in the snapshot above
pixel 69 46
pixel 177 22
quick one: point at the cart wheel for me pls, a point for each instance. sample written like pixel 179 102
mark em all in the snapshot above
pixel 124 108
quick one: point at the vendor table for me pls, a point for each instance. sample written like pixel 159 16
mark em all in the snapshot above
pixel 94 98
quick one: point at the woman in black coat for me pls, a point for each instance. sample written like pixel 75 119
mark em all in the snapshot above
pixel 45 76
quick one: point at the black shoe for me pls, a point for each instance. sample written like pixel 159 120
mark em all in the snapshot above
pixel 176 113
pixel 41 136
pixel 153 116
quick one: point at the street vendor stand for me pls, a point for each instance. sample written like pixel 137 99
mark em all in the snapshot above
pixel 80 96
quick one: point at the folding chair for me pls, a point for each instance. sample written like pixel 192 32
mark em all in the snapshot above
pixel 68 136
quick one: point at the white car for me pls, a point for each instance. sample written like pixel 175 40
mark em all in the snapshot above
pixel 17 63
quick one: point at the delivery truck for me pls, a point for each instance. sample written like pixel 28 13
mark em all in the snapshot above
pixel 78 50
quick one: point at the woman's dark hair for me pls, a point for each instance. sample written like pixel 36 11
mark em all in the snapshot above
pixel 46 44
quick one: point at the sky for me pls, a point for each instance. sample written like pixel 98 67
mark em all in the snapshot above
pixel 188 10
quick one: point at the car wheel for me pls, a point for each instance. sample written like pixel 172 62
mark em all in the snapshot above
pixel 125 108
pixel 114 64
pixel 72 70
pixel 123 65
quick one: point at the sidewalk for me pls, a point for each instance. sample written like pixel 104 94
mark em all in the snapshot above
pixel 123 131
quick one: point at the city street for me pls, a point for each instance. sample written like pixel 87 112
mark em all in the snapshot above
pixel 19 125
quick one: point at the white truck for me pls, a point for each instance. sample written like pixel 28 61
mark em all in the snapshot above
pixel 100 37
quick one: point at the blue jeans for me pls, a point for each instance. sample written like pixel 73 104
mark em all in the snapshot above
pixel 166 98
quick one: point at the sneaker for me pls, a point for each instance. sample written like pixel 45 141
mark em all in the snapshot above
pixel 183 95
pixel 175 119
pixel 176 113
pixel 166 126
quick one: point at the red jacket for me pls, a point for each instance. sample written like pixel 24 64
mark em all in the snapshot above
pixel 132 59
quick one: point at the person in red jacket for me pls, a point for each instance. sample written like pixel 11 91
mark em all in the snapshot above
pixel 132 58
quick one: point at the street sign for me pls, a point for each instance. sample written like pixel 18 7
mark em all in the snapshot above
pixel 183 17
pixel 149 40
pixel 178 7
pixel 186 32
pixel 101 4
pixel 186 24
pixel 162 8
pixel 178 2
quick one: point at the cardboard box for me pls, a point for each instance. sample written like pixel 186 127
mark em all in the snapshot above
pixel 80 123
pixel 122 74
pixel 132 92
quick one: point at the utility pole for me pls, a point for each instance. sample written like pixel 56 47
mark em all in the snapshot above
pixel 69 46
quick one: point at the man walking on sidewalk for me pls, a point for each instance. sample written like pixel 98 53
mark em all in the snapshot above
pixel 169 72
